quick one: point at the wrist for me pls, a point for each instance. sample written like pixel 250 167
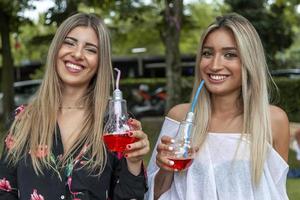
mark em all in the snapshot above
pixel 134 167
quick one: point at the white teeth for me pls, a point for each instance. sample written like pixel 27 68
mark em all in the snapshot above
pixel 217 77
pixel 73 66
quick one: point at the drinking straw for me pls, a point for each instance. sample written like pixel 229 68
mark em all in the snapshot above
pixel 190 117
pixel 195 99
pixel 118 77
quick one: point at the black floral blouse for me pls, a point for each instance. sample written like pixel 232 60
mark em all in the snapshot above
pixel 71 182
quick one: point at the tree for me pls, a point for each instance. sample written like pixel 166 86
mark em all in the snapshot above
pixel 171 36
pixel 9 20
pixel 271 23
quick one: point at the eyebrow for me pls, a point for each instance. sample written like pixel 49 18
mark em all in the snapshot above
pixel 87 43
pixel 224 48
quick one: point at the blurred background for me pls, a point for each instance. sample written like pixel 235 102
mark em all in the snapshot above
pixel 154 43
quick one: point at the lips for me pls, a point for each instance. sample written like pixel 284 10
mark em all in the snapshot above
pixel 217 78
pixel 74 68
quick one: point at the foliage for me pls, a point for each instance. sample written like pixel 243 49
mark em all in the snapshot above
pixel 200 15
pixel 10 20
pixel 289 97
pixel 278 16
pixel 34 41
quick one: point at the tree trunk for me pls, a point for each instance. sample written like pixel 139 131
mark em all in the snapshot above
pixel 7 69
pixel 171 37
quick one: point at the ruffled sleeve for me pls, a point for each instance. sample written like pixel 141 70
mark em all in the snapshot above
pixel 169 128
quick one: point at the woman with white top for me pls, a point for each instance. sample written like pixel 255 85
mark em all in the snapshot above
pixel 242 140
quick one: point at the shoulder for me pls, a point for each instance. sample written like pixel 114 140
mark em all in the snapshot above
pixel 179 111
pixel 280 130
pixel 279 119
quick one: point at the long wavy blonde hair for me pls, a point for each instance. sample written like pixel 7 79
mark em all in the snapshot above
pixel 36 126
pixel 254 91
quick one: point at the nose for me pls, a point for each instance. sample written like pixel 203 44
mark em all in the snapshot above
pixel 78 52
pixel 216 63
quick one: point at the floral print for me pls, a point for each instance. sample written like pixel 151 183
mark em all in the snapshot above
pixel 72 181
pixel 70 168
pixel 5 185
pixel 41 151
pixel 18 111
pixel 36 196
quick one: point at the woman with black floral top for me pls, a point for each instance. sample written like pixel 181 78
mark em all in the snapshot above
pixel 54 148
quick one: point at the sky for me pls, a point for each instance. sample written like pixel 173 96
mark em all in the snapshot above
pixel 41 6
pixel 44 5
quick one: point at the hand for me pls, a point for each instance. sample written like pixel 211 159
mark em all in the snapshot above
pixel 163 148
pixel 137 150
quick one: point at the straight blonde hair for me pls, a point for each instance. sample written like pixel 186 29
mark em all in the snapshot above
pixel 254 91
pixel 36 126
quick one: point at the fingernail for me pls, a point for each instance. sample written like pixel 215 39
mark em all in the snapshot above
pixel 172 141
pixel 171 148
pixel 171 162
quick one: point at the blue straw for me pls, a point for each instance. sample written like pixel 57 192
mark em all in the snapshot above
pixel 195 99
pixel 196 96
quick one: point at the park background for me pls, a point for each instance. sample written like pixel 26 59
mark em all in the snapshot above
pixel 150 39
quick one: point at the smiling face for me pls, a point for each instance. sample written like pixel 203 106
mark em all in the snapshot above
pixel 220 64
pixel 77 59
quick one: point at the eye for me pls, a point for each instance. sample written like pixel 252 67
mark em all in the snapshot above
pixel 230 55
pixel 92 50
pixel 206 53
pixel 69 42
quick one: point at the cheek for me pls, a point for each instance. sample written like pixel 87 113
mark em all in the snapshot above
pixel 201 67
pixel 93 60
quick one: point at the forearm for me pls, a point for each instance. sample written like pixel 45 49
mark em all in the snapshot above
pixel 162 182
pixel 134 167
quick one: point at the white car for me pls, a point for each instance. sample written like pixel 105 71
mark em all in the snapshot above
pixel 23 92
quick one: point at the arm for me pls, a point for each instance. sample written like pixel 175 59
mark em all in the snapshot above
pixel 131 183
pixel 280 131
pixel 164 177
pixel 125 185
pixel 8 177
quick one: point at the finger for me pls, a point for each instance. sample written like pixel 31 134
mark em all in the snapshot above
pixel 163 147
pixel 138 145
pixel 135 124
pixel 164 165
pixel 138 134
pixel 137 153
pixel 167 140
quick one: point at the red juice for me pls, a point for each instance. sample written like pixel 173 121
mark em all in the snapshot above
pixel 118 142
pixel 181 163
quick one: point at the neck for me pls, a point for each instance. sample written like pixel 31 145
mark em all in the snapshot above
pixel 71 98
pixel 226 105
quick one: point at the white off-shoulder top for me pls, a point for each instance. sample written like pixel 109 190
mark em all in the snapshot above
pixel 220 172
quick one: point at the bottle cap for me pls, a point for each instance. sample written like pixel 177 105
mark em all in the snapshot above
pixel 117 94
pixel 190 117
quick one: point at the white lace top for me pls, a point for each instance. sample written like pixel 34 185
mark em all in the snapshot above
pixel 215 174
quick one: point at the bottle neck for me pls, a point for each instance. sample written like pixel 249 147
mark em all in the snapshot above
pixel 117 108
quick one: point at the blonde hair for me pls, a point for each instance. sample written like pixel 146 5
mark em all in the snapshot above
pixel 254 91
pixel 37 124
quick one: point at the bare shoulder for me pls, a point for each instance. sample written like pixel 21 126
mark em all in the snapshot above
pixel 280 130
pixel 179 111
pixel 279 118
